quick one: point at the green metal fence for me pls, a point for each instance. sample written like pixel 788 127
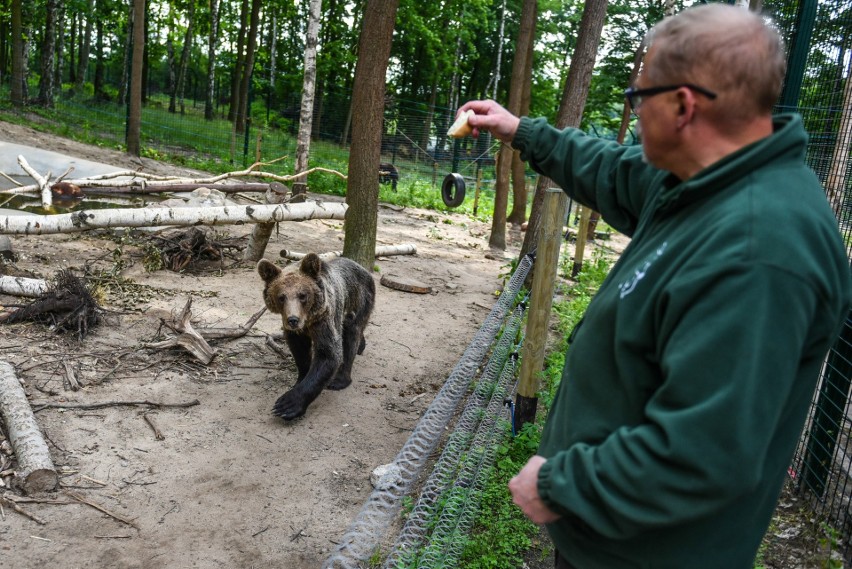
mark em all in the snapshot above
pixel 818 85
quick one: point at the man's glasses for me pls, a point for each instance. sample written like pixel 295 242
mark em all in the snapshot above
pixel 635 96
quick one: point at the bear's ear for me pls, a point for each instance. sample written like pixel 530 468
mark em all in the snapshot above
pixel 311 265
pixel 267 270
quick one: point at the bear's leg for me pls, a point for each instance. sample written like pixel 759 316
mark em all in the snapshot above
pixel 324 364
pixel 300 347
pixel 353 342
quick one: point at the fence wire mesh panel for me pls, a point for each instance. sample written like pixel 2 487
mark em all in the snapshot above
pixel 818 85
pixel 366 532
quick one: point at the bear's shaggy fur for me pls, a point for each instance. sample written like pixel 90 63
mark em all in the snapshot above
pixel 324 308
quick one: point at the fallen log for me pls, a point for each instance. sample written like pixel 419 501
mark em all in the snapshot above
pixel 22 286
pixel 126 178
pixel 35 472
pixel 181 187
pixel 381 251
pixel 156 216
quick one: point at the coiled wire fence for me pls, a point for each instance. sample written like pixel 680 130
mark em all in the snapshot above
pixel 449 497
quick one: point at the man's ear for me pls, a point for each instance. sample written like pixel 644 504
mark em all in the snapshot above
pixel 686 109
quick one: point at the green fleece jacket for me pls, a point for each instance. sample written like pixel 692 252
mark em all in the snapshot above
pixel 687 383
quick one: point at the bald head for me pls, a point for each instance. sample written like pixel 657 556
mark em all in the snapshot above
pixel 726 49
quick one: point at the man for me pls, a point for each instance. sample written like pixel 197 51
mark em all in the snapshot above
pixel 688 381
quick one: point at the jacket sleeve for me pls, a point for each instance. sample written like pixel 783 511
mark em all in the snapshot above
pixel 710 433
pixel 602 174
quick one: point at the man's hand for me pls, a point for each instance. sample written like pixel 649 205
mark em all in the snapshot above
pixel 524 489
pixel 491 117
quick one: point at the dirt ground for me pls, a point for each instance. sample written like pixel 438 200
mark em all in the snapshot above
pixel 229 485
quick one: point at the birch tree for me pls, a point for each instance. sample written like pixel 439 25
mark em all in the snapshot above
pixel 306 114
pixel 211 59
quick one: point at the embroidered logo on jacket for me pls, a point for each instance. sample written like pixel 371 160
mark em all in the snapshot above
pixel 628 286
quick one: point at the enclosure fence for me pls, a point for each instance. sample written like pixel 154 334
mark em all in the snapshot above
pixel 465 462
pixel 818 86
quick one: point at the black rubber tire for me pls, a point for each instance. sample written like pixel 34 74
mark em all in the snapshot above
pixel 452 190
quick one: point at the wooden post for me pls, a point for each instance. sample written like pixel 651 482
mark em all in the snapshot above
pixel 541 301
pixel 580 249
pixel 478 189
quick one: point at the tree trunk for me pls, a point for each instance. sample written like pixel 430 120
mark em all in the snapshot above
pixel 100 68
pixel 239 62
pixel 134 115
pixel 59 49
pixel 184 60
pixel 170 64
pixel 18 88
pixel 46 85
pixel 368 104
pixel 518 215
pixel 85 48
pixel 35 468
pixel 244 110
pixel 573 100
pixel 261 232
pixel 303 144
pixel 497 240
pixel 124 86
pixel 211 60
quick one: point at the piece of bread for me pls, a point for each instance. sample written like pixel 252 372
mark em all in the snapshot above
pixel 461 128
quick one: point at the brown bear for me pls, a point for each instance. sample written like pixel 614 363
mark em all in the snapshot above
pixel 324 308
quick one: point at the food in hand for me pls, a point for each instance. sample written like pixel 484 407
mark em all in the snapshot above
pixel 461 127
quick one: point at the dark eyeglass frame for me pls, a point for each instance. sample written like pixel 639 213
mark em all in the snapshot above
pixel 634 96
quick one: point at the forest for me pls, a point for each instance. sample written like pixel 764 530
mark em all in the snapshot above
pixel 224 53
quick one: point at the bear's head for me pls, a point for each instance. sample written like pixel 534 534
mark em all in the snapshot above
pixel 296 294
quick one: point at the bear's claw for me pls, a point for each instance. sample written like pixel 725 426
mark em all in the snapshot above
pixel 288 407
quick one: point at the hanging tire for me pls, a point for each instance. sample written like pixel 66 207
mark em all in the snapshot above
pixel 452 190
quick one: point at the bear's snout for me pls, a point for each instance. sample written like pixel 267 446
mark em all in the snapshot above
pixel 293 322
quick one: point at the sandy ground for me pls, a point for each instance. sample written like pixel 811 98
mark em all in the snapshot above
pixel 229 485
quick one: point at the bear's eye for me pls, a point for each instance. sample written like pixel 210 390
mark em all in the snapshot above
pixel 282 299
pixel 303 297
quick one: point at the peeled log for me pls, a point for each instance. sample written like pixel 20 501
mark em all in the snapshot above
pixel 381 251
pixel 35 470
pixel 22 286
pixel 157 216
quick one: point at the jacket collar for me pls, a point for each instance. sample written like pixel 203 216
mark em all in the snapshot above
pixel 787 143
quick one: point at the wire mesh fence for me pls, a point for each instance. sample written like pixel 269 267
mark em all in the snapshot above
pixel 819 87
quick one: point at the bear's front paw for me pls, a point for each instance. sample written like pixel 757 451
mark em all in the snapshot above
pixel 289 406
pixel 339 382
